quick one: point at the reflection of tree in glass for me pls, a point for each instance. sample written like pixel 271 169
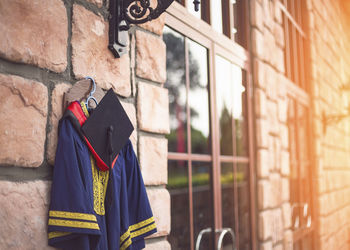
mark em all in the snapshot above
pixel 176 82
pixel 226 147
pixel 240 131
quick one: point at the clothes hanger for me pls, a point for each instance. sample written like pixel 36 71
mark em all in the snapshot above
pixel 90 96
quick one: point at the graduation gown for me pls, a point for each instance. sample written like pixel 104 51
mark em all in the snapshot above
pixel 94 209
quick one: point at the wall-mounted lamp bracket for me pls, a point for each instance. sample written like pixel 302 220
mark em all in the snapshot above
pixel 126 12
pixel 333 119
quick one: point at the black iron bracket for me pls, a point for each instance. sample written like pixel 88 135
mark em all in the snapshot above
pixel 126 12
pixel 333 119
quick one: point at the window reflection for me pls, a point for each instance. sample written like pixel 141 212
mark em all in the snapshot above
pixel 239 110
pixel 176 84
pixel 216 15
pixel 227 192
pixel 178 189
pixel 224 104
pixel 243 205
pixel 230 98
pixel 202 202
pixel 198 97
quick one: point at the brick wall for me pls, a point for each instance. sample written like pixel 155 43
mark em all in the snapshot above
pixel 329 70
pixel 46 47
pixel 330 47
pixel 274 220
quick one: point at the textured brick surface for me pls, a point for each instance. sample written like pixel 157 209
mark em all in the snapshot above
pixel 263 163
pixel 265 225
pixel 158 245
pixel 57 110
pixel 31 35
pixel 277 224
pixel 157 25
pixel 256 15
pixel 99 3
pixel 258 44
pixel 288 240
pixel 131 112
pixel 287 215
pixel 260 103
pixel 91 56
pixel 262 135
pixel 23 112
pixel 23 215
pixel 264 194
pixel 150 57
pixel 266 245
pixel 160 204
pixel 153 160
pixel 276 189
pixel 152 108
pixel 285 163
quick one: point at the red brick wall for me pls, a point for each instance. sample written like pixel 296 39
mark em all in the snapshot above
pixel 330 68
pixel 46 46
pixel 330 48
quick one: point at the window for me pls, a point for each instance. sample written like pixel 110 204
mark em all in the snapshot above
pixel 227 17
pixel 209 145
pixel 294 23
pixel 295 54
pixel 300 176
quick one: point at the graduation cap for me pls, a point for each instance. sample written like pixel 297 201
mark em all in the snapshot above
pixel 107 130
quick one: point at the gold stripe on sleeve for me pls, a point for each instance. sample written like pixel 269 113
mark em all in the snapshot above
pixel 72 215
pixel 143 230
pixel 126 244
pixel 125 235
pixel 141 224
pixel 57 234
pixel 73 223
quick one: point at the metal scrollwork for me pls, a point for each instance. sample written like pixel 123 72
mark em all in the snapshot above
pixel 140 11
pixel 126 12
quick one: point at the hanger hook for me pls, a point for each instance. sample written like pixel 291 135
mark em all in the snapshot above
pixel 90 96
pixel 93 85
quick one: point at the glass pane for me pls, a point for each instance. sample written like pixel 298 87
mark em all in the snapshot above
pixel 294 190
pixel 202 202
pixel 239 111
pixel 224 104
pixel 216 15
pixel 242 178
pixel 302 137
pixel 190 8
pixel 179 237
pixel 198 97
pixel 176 84
pixel 306 242
pixel 227 192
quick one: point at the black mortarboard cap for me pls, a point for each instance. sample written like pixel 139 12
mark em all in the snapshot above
pixel 107 129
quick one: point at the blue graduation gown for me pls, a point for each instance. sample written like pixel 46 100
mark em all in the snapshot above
pixel 94 209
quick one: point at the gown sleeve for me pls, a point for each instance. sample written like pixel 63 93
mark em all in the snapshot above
pixel 72 223
pixel 137 220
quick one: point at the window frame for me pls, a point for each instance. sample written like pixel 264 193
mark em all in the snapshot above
pixel 299 92
pixel 178 18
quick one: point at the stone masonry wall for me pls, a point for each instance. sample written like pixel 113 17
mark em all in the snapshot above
pixel 273 170
pixel 330 48
pixel 330 69
pixel 46 46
